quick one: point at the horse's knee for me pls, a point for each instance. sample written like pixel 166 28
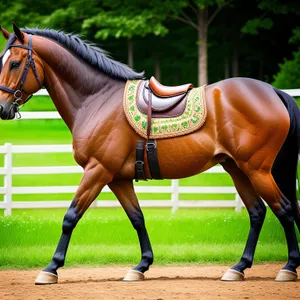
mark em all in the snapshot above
pixel 70 220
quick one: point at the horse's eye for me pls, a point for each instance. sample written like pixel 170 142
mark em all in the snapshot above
pixel 14 65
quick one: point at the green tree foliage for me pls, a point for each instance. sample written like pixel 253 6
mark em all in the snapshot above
pixel 26 12
pixel 245 38
pixel 254 25
pixel 289 75
pixel 126 22
pixel 72 14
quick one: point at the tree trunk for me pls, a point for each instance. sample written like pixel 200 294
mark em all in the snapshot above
pixel 261 70
pixel 130 53
pixel 202 46
pixel 157 68
pixel 235 56
pixel 226 67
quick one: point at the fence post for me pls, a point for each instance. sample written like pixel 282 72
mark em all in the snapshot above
pixel 8 179
pixel 238 203
pixel 175 195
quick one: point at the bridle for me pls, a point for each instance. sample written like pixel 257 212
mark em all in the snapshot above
pixel 18 93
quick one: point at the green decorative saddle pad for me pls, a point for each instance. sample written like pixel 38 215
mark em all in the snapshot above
pixel 193 117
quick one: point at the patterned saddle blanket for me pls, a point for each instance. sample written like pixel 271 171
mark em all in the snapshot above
pixel 172 116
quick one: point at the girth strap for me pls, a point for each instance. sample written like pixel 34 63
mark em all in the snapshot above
pixel 153 159
pixel 139 164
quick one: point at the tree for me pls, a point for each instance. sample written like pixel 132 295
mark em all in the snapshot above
pixel 199 10
pixel 126 20
pixel 28 13
pixel 289 75
pixel 243 38
pixel 111 18
pixel 273 12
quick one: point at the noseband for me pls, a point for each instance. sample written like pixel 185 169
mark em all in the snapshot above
pixel 18 93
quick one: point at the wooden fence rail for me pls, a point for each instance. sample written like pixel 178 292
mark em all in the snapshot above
pixel 8 190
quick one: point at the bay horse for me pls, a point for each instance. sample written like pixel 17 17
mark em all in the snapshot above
pixel 251 129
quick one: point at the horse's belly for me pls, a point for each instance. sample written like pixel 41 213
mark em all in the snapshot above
pixel 185 156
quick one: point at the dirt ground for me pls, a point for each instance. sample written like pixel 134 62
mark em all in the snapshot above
pixel 182 282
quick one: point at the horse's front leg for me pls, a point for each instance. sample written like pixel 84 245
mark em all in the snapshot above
pixel 95 177
pixel 124 191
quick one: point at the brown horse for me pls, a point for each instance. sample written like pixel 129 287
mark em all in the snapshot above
pixel 251 129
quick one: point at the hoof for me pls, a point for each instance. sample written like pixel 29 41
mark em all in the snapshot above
pixel 46 278
pixel 286 275
pixel 134 275
pixel 233 275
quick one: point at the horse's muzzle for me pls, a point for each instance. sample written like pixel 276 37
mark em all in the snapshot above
pixel 7 111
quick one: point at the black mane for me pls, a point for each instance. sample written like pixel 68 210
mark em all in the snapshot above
pixel 91 54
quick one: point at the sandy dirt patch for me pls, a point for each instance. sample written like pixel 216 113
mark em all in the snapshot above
pixel 180 282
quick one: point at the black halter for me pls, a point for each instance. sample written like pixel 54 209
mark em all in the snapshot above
pixel 18 93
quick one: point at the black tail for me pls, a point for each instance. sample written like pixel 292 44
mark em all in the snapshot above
pixel 285 167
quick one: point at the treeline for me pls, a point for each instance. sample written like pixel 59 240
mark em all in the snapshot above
pixel 199 41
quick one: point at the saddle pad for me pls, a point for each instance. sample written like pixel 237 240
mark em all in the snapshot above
pixel 192 118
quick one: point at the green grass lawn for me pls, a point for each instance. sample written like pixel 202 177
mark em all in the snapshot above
pixel 105 236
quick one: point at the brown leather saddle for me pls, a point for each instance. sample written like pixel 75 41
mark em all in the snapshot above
pixel 157 101
pixel 160 101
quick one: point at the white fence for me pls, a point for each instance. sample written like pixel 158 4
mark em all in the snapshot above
pixel 8 190
pixel 55 114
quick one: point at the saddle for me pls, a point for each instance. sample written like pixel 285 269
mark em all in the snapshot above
pixel 156 111
pixel 157 101
pixel 160 101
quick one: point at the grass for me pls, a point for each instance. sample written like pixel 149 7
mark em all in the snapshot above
pixel 105 236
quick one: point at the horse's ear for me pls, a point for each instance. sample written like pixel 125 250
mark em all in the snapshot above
pixel 5 33
pixel 19 34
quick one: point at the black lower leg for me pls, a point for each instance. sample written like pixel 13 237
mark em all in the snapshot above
pixel 70 220
pixel 286 218
pixel 137 220
pixel 257 215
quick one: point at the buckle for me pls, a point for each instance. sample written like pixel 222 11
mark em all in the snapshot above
pixel 151 145
pixel 18 94
pixel 139 162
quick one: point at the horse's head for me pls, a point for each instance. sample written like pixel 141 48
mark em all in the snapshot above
pixel 21 72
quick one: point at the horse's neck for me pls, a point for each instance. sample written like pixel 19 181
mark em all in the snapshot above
pixel 71 83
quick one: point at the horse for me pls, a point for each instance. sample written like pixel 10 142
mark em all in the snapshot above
pixel 251 129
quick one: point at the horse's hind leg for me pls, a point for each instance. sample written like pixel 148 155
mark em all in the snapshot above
pixel 124 191
pixel 257 212
pixel 265 185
